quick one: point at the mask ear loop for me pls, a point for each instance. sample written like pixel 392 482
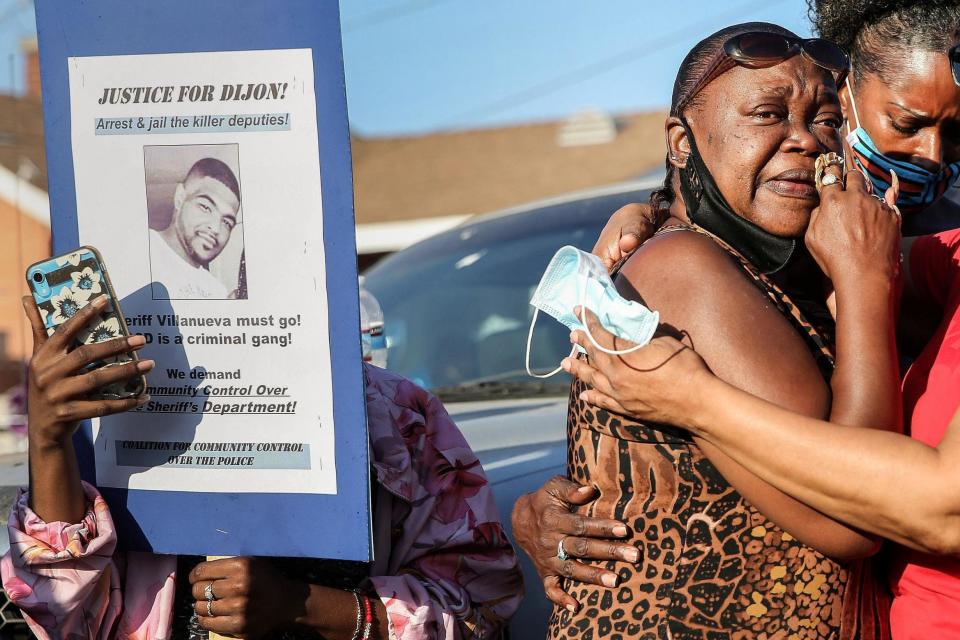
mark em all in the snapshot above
pixel 542 376
pixel 612 352
pixel 586 328
pixel 853 101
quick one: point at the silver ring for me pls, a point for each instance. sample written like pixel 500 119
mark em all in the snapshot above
pixel 208 593
pixel 561 554
pixel 210 608
pixel 830 178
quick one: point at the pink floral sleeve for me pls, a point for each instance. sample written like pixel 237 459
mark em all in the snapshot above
pixel 69 584
pixel 452 572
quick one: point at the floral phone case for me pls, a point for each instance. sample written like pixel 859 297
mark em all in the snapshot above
pixel 63 285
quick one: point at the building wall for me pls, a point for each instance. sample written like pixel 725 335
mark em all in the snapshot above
pixel 24 241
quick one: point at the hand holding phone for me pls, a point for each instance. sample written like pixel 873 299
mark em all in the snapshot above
pixel 60 380
pixel 64 285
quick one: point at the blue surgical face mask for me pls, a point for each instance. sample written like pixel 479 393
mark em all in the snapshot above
pixel 575 277
pixel 919 187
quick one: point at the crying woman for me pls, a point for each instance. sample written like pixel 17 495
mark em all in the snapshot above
pixel 723 554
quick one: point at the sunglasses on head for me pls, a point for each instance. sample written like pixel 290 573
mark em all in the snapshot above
pixel 762 49
pixel 954 55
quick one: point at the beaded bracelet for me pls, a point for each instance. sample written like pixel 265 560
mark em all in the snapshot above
pixel 356 631
pixel 367 617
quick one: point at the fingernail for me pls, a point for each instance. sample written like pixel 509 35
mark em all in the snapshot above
pixel 583 396
pixel 632 555
pixel 565 364
pixel 144 399
pixel 145 365
pixel 100 302
pixel 585 490
pixel 620 530
pixel 572 608
pixel 136 341
pixel 609 579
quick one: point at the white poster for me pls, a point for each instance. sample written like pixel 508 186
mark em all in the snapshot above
pixel 198 179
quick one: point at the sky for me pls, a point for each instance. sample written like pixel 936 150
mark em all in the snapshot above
pixel 415 66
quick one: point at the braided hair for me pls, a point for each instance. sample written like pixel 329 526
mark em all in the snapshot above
pixel 694 67
pixel 877 33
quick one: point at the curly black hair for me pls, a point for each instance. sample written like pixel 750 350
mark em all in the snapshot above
pixel 877 32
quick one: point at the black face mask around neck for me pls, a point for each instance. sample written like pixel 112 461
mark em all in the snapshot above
pixel 707 208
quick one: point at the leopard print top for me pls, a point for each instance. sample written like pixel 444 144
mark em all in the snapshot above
pixel 712 566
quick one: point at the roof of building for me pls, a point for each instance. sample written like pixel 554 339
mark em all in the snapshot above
pixel 467 172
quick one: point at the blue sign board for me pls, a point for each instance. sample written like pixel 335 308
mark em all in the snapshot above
pixel 203 148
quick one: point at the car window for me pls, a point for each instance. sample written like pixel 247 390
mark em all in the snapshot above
pixel 458 313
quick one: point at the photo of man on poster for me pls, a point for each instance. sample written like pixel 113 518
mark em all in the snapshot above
pixel 205 212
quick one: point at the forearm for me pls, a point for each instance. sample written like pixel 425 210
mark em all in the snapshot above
pixel 866 381
pixel 332 613
pixel 56 493
pixel 875 480
pixel 814 529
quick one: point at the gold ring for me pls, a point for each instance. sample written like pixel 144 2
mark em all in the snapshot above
pixel 821 177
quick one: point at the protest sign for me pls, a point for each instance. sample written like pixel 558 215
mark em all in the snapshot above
pixel 203 148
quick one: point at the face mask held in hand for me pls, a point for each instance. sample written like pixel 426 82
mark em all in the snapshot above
pixel 575 277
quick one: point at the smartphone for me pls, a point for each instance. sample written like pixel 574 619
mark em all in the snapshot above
pixel 63 285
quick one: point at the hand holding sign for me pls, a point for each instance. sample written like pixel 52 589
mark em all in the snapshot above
pixel 246 597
